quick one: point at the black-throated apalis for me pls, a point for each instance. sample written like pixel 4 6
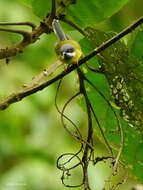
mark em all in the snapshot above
pixel 68 51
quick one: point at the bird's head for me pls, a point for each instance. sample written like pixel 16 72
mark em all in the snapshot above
pixel 67 51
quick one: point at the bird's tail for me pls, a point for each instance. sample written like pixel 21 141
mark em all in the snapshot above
pixel 58 30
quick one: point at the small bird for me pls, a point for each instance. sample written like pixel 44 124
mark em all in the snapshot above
pixel 68 51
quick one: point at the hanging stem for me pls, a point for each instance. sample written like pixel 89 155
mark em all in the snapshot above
pixel 90 130
pixel 53 10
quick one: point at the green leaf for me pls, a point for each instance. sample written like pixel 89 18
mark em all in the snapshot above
pixel 103 112
pixel 41 7
pixel 86 48
pixel 89 12
pixel 137 46
pixel 85 13
pixel 132 154
pixel 124 75
pixel 117 62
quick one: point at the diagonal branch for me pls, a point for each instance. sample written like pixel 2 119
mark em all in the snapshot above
pixel 28 89
pixel 111 41
pixel 15 97
pixel 75 26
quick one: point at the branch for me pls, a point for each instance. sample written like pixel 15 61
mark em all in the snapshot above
pixel 64 19
pixel 15 97
pixel 90 130
pixel 53 10
pixel 18 48
pixel 77 134
pixel 114 39
pixel 26 35
pixel 33 26
pixel 28 89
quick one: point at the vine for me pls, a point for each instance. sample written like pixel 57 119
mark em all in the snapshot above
pixel 87 149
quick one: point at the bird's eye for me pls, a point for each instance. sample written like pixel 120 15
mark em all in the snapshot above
pixel 70 50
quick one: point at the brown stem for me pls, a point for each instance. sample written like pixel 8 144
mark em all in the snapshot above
pixel 73 25
pixel 85 158
pixel 33 26
pixel 26 35
pixel 53 11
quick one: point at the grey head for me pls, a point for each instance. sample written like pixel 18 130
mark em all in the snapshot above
pixel 67 51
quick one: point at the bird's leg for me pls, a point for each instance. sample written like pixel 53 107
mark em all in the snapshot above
pixel 65 67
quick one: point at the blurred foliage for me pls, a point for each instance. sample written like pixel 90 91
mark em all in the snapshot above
pixel 137 46
pixel 96 12
pixel 31 134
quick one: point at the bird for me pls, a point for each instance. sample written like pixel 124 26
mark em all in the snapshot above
pixel 68 51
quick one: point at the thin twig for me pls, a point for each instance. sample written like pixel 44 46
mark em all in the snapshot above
pixel 120 183
pixel 106 100
pixel 53 11
pixel 99 70
pixel 26 35
pixel 119 129
pixel 99 159
pixel 79 138
pixel 101 130
pixel 64 169
pixel 118 124
pixel 64 116
pixel 96 119
pixel 64 19
pixel 32 25
pixel 59 166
